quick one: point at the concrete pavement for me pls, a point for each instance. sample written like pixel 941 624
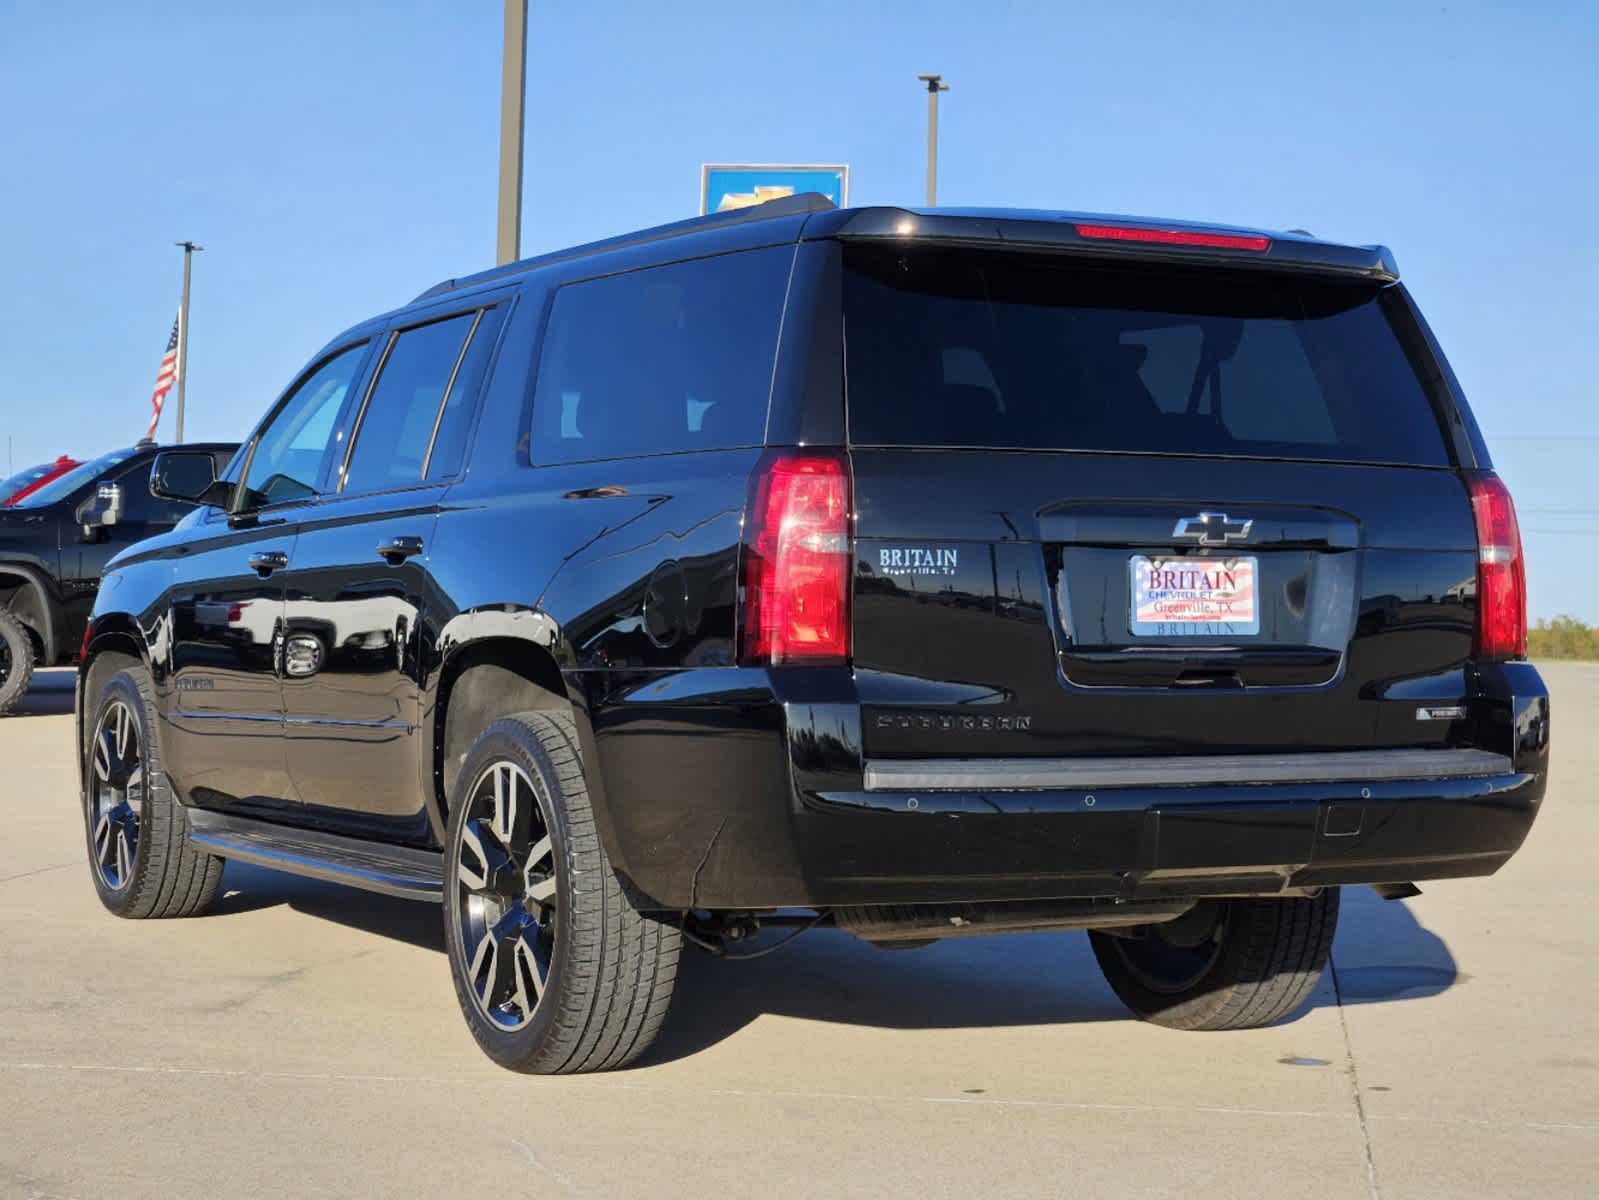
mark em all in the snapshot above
pixel 304 1041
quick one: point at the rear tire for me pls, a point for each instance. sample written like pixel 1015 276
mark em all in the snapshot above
pixel 1229 964
pixel 556 971
pixel 16 660
pixel 140 858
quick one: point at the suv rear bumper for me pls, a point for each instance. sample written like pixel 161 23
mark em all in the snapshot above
pixel 733 788
pixel 1147 842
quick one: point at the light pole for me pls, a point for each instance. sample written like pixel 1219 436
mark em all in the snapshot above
pixel 183 332
pixel 513 111
pixel 935 84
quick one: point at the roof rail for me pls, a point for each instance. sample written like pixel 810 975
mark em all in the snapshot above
pixel 784 206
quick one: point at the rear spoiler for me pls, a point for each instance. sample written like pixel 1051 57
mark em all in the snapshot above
pixel 1104 237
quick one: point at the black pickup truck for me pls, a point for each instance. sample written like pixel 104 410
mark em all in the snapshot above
pixel 54 544
pixel 931 573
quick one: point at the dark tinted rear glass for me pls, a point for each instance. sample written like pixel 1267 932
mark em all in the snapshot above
pixel 661 360
pixel 968 348
pixel 392 439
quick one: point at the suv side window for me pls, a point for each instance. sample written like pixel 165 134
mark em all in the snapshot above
pixel 137 502
pixel 413 424
pixel 455 420
pixel 287 457
pixel 661 360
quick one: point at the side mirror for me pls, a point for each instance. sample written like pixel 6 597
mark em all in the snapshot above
pixel 189 476
pixel 101 510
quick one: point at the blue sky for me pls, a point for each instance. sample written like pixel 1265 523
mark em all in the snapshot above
pixel 334 160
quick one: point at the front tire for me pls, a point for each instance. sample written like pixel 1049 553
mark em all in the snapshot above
pixel 1227 964
pixel 16 661
pixel 555 970
pixel 140 858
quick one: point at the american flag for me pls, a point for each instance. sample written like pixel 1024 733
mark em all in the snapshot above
pixel 164 379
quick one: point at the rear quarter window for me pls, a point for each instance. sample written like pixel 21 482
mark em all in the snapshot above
pixel 661 360
pixel 961 348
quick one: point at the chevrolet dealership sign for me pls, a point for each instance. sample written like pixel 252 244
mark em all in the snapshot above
pixel 726 186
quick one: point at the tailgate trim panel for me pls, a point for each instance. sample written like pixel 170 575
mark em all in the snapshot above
pixel 1025 774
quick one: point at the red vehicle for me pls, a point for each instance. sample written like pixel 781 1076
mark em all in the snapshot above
pixel 25 483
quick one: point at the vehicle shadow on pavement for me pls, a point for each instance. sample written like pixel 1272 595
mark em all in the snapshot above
pixel 1382 954
pixel 246 888
pixel 1021 979
pixel 50 694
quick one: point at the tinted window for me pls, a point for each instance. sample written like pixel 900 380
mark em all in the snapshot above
pixel 661 360
pixel 288 455
pixel 396 427
pixel 137 502
pixel 964 348
pixel 63 486
pixel 11 486
pixel 456 421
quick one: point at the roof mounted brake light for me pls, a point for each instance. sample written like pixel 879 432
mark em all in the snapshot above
pixel 1175 237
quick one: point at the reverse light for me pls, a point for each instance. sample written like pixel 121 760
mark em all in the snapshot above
pixel 796 564
pixel 1175 237
pixel 1501 572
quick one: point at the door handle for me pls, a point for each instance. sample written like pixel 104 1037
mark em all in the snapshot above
pixel 265 562
pixel 397 549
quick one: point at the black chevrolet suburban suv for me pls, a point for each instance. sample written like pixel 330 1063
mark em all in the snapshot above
pixel 55 542
pixel 924 573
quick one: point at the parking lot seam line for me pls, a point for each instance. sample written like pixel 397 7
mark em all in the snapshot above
pixel 601 1086
pixel 729 1093
pixel 1354 1084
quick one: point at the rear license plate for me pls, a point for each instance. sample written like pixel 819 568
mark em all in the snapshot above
pixel 1194 597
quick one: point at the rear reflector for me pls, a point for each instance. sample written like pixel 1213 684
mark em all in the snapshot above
pixel 1175 237
pixel 796 574
pixel 1501 574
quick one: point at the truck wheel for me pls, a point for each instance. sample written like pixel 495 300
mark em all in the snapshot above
pixel 556 971
pixel 140 856
pixel 1227 964
pixel 16 661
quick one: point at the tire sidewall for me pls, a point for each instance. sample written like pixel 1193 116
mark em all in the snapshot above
pixel 124 687
pixel 20 644
pixel 510 741
pixel 1251 941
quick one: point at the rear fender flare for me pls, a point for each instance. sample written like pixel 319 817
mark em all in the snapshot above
pixel 485 635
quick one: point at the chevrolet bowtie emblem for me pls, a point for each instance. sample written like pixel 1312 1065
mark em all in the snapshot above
pixel 1212 529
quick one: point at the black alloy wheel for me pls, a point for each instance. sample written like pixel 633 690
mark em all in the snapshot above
pixel 141 860
pixel 116 795
pixel 506 890
pixel 1225 964
pixel 555 968
pixel 1172 957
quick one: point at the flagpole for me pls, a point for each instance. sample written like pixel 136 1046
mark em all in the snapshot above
pixel 183 332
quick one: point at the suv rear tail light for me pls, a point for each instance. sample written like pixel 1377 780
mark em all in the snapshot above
pixel 1501 575
pixel 1175 237
pixel 797 561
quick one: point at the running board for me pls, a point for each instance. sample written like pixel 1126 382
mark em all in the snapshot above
pixel 372 866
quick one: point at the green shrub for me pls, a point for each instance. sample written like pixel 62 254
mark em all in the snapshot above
pixel 1564 637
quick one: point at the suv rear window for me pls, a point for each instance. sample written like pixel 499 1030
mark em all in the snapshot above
pixel 661 360
pixel 965 348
